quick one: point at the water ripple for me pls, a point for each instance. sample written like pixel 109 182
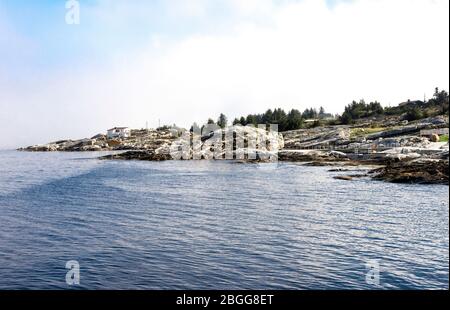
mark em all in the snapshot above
pixel 213 225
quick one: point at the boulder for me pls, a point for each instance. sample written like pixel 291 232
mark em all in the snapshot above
pixel 434 138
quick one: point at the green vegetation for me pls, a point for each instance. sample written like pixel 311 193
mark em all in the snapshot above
pixel 443 138
pixel 440 100
pixel 415 114
pixel 163 128
pixel 360 132
pixel 358 110
pixel 412 110
pixel 294 119
pixel 222 121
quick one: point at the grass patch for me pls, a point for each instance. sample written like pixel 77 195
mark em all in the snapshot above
pixel 443 138
pixel 361 132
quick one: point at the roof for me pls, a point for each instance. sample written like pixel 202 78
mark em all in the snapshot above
pixel 410 102
pixel 120 128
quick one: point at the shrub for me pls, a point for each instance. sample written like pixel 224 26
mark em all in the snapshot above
pixel 413 115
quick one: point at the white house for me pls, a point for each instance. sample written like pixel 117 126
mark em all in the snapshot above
pixel 118 132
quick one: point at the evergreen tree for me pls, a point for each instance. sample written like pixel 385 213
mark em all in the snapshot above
pixel 222 121
pixel 267 117
pixel 294 120
pixel 251 120
pixel 243 121
pixel 321 112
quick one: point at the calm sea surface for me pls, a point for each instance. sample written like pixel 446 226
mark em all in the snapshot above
pixel 213 225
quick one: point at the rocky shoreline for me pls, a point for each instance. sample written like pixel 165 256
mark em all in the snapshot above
pixel 415 171
pixel 403 153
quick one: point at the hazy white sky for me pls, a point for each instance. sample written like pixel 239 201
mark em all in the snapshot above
pixel 182 61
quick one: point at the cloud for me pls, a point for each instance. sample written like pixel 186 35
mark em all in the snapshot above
pixel 252 7
pixel 186 8
pixel 300 54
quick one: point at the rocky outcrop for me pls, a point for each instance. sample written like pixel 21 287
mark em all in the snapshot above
pixel 139 140
pixel 231 142
pixel 430 150
pixel 235 142
pixel 316 138
pixel 353 139
pixel 148 155
pixel 311 156
pixel 421 171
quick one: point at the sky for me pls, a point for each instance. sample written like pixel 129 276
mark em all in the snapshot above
pixel 129 62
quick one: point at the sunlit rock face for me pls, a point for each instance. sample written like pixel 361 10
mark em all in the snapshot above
pixel 234 142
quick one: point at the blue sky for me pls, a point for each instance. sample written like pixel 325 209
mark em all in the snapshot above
pixel 128 25
pixel 179 61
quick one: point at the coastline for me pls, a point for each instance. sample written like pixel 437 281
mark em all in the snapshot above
pixel 401 153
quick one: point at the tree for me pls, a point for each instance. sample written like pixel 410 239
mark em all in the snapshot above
pixel 310 113
pixel 414 114
pixel 441 99
pixel 294 120
pixel 210 121
pixel 267 117
pixel 321 112
pixel 222 121
pixel 357 110
pixel 279 117
pixel 285 121
pixel 163 128
pixel 251 120
pixel 346 118
pixel 375 108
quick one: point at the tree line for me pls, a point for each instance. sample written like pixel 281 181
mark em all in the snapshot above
pixel 294 119
pixel 412 110
pixel 291 120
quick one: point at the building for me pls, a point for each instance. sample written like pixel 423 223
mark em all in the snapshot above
pixel 118 132
pixel 411 102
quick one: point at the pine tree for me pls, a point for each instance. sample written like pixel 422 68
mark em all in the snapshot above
pixel 222 121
